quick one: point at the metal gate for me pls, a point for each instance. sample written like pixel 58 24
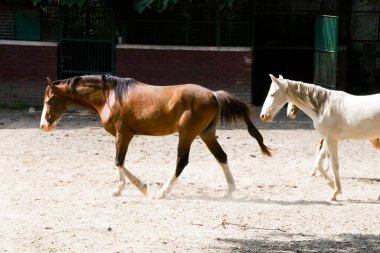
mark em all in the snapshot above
pixel 87 44
pixel 325 52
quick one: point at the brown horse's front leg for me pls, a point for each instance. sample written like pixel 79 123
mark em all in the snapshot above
pixel 122 142
pixel 182 161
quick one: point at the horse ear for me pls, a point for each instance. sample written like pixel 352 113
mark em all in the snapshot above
pixel 274 79
pixel 280 77
pixel 53 87
pixel 50 83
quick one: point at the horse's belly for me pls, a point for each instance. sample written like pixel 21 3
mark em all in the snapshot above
pixel 154 129
pixel 361 132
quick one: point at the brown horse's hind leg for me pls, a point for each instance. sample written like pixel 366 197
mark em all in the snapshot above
pixel 213 145
pixel 376 144
pixel 122 142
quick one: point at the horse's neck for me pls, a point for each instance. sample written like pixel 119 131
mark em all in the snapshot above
pixel 311 100
pixel 90 102
pixel 308 110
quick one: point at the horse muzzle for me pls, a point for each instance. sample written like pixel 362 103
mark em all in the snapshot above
pixel 291 116
pixel 266 118
pixel 48 127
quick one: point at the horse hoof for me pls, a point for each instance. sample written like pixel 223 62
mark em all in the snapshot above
pixel 331 184
pixel 144 189
pixel 228 195
pixel 116 193
pixel 332 198
pixel 160 195
pixel 231 188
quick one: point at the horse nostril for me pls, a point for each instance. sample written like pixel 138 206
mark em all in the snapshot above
pixel 262 116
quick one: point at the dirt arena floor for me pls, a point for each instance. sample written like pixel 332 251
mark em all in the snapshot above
pixel 55 192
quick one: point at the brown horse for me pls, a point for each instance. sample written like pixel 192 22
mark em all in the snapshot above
pixel 127 107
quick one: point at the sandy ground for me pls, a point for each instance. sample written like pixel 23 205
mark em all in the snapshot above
pixel 55 192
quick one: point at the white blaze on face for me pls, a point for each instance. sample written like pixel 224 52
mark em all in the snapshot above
pixel 43 123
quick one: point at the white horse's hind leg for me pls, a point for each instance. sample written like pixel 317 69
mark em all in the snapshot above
pixel 320 159
pixel 120 185
pixel 321 155
pixel 332 146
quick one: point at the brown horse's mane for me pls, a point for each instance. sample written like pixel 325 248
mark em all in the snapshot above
pixel 119 85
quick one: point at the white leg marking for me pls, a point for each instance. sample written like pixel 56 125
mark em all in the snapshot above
pixel 166 189
pixel 134 180
pixel 120 185
pixel 229 178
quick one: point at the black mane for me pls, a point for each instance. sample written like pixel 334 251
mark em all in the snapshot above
pixel 119 85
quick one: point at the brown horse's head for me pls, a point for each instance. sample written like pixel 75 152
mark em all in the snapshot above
pixel 291 111
pixel 55 105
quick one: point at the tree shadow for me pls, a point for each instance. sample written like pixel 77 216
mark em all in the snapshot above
pixel 303 243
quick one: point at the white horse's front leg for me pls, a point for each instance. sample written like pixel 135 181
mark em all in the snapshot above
pixel 120 185
pixel 332 146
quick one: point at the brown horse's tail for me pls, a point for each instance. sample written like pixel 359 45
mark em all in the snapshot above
pixel 232 109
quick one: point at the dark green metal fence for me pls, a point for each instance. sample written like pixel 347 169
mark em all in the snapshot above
pixel 325 55
pixel 87 44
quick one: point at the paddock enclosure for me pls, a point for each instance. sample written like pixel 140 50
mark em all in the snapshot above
pixel 55 191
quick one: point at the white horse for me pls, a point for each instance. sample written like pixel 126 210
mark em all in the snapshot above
pixel 336 115
pixel 291 113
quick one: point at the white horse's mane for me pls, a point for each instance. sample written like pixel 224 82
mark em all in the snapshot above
pixel 307 93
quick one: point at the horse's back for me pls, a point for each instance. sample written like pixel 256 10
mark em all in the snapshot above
pixel 358 116
pixel 161 110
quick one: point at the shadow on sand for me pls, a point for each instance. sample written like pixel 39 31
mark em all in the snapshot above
pixel 303 243
pixel 78 118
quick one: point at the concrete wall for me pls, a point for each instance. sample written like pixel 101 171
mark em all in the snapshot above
pixel 24 66
pixel 216 68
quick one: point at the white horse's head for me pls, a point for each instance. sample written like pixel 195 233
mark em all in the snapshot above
pixel 291 111
pixel 276 99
